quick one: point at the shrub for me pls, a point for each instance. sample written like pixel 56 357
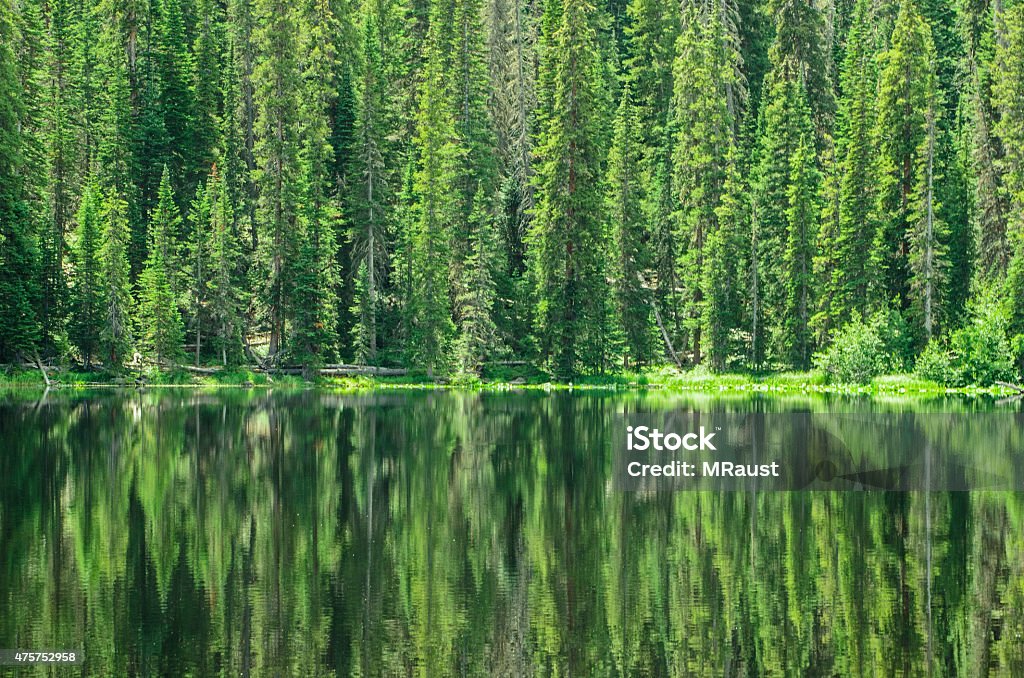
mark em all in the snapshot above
pixel 897 339
pixel 1017 345
pixel 977 354
pixel 856 355
pixel 934 363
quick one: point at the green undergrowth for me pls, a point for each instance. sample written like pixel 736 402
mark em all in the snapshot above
pixel 528 378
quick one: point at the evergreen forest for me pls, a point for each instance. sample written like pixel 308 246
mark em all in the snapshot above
pixel 447 185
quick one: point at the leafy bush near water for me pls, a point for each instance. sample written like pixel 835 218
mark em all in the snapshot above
pixel 862 350
pixel 978 353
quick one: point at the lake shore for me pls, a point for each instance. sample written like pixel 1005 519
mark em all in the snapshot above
pixel 661 379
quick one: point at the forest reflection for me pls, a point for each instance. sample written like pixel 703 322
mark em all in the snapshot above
pixel 305 533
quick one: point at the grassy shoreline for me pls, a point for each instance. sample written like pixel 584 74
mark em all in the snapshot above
pixel 663 379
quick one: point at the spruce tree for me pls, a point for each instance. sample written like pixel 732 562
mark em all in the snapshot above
pixel 928 235
pixel 726 276
pixel 160 320
pixel 61 152
pixel 650 38
pixel 907 82
pixel 87 299
pixel 1013 300
pixel 1008 99
pixel 512 50
pixel 370 193
pixel 436 212
pixel 18 252
pixel 206 96
pixel 313 325
pixel 704 132
pixel 786 194
pixel 176 67
pixel 278 94
pixel 115 283
pixel 1010 103
pixel 223 293
pixel 240 105
pixel 991 206
pixel 197 263
pixel 115 149
pixel 802 222
pixel 478 338
pixel 315 306
pixel 800 38
pixel 849 273
pixel 629 262
pixel 957 210
pixel 567 235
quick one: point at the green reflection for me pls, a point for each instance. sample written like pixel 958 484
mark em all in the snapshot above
pixel 436 533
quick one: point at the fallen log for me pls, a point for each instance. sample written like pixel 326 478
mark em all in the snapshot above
pixel 1013 387
pixel 39 363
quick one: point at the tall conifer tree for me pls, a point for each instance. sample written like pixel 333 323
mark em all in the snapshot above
pixel 87 309
pixel 704 132
pixel 18 253
pixel 567 236
pixel 160 320
pixel 437 206
pixel 629 262
pixel 906 94
pixel 278 97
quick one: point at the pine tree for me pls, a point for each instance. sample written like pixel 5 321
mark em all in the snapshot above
pixel 478 338
pixel 703 135
pixel 436 210
pixel 630 257
pixel 369 201
pixel 725 276
pixel 849 274
pixel 223 298
pixel 567 234
pixel 800 38
pixel 315 306
pixel 61 160
pixel 116 133
pixel 907 81
pixel 802 223
pixel 927 250
pixel 197 262
pixel 278 88
pixel 177 73
pixel 18 253
pixel 784 256
pixel 989 195
pixel 87 300
pixel 205 93
pixel 160 321
pixel 116 336
pixel 1009 100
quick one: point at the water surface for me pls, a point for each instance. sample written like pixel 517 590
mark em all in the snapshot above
pixel 305 533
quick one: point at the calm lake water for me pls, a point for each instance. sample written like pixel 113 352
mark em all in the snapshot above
pixel 237 533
